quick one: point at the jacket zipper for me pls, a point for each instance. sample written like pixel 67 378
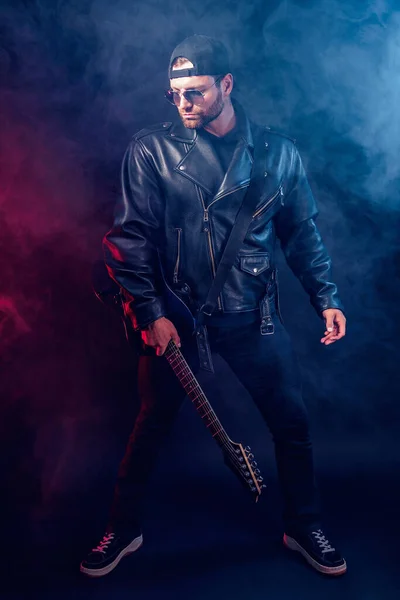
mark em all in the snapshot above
pixel 206 220
pixel 268 202
pixel 176 269
pixel 236 189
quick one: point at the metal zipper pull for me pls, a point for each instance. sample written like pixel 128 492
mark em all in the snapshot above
pixel 205 219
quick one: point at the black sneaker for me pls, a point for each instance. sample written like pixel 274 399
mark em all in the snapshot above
pixel 106 556
pixel 317 551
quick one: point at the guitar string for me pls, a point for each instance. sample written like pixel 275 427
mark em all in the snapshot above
pixel 173 350
pixel 197 392
pixel 195 395
pixel 181 361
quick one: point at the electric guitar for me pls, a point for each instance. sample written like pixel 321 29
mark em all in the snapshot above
pixel 238 458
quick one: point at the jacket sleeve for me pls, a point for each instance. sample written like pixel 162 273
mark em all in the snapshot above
pixel 130 247
pixel 301 241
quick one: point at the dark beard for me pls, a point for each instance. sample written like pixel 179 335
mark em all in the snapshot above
pixel 213 113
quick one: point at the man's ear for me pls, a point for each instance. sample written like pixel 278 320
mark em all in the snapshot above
pixel 227 83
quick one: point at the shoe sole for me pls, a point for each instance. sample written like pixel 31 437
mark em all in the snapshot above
pixel 293 545
pixel 133 546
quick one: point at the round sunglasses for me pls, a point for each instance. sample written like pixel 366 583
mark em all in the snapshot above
pixel 192 96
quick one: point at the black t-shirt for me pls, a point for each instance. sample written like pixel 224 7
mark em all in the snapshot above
pixel 224 148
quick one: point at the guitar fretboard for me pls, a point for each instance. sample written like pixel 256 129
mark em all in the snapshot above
pixel 195 392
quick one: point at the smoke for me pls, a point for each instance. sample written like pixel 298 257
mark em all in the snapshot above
pixel 77 79
pixel 11 322
pixel 336 65
pixel 330 78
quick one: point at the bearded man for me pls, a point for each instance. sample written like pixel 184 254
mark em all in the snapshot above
pixel 182 186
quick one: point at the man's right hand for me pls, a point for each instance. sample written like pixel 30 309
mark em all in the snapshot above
pixel 159 333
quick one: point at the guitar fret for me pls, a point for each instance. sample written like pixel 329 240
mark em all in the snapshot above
pixel 180 372
pixel 200 405
pixel 185 376
pixel 207 412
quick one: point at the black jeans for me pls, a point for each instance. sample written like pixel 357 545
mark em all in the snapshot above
pixel 267 367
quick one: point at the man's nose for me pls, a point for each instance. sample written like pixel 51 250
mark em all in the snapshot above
pixel 184 103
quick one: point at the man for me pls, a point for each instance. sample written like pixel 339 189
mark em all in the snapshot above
pixel 182 185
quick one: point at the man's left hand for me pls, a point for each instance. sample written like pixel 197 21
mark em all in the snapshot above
pixel 335 325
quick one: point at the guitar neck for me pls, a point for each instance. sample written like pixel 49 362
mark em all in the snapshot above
pixel 193 389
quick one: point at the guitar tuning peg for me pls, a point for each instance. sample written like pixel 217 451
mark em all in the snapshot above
pixel 250 456
pixel 257 471
pixel 248 449
pixel 260 479
pixel 253 464
pixel 263 486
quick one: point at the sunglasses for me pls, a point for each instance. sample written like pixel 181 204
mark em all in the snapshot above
pixel 192 96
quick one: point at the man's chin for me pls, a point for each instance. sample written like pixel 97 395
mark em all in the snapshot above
pixel 191 123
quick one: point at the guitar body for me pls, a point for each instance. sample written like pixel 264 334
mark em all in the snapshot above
pixel 178 311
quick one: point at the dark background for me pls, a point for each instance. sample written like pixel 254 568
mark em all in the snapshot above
pixel 77 79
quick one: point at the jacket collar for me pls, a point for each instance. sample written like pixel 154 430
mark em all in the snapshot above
pixel 243 124
pixel 200 164
pixel 179 133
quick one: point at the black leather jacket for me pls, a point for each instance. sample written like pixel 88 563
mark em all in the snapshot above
pixel 167 209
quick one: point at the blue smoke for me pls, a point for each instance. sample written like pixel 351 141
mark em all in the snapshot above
pixel 77 79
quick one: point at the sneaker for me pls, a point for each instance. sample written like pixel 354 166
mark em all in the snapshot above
pixel 317 551
pixel 106 556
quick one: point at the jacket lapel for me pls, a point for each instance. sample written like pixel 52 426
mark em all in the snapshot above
pixel 200 164
pixel 238 173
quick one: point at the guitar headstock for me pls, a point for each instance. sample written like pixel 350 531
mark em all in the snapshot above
pixel 241 461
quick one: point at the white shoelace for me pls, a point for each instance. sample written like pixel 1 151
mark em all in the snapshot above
pixel 322 541
pixel 107 539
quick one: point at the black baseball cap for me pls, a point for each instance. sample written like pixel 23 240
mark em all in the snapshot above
pixel 208 55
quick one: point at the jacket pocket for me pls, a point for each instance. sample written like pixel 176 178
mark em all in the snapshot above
pixel 178 232
pixel 270 202
pixel 254 264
